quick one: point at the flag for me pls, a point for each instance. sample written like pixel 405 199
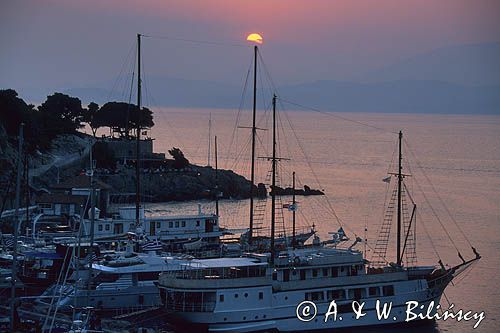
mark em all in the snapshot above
pixel 153 245
pixel 387 179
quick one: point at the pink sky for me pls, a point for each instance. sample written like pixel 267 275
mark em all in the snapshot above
pixel 304 40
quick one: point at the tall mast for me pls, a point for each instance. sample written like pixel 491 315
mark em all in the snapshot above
pixel 254 133
pixel 400 181
pixel 15 225
pixel 92 220
pixel 209 138
pixel 138 136
pixel 293 210
pixel 273 192
pixel 216 181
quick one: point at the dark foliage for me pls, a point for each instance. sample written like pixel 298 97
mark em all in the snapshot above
pixel 122 118
pixel 180 161
pixel 89 115
pixel 61 114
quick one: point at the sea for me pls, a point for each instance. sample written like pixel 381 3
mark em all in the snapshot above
pixel 452 168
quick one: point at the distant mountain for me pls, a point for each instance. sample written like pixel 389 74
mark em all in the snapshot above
pixel 416 96
pixel 396 96
pixel 471 64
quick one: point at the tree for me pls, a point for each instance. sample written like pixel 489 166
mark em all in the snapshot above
pixel 89 115
pixel 122 117
pixel 180 161
pixel 14 111
pixel 61 114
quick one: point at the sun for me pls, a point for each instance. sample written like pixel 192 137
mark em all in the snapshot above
pixel 256 38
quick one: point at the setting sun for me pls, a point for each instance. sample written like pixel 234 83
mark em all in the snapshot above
pixel 255 38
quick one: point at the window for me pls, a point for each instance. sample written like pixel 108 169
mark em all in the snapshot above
pixel 315 296
pixel 388 290
pixel 99 227
pixel 315 272
pixel 198 223
pixel 302 274
pixel 261 295
pixel 286 275
pixel 158 225
pixel 183 224
pixel 341 268
pixel 170 224
pixel 357 293
pixel 107 227
pixel 221 298
pixel 325 271
pixel 335 294
pixel 335 272
pixel 373 291
pixel 177 224
pixel 235 295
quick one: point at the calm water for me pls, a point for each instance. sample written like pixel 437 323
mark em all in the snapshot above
pixel 457 156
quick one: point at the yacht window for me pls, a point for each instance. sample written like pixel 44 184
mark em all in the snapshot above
pixel 107 227
pixel 177 224
pixel 315 296
pixel 198 223
pixel 315 272
pixel 183 223
pixel 302 274
pixel 335 294
pixel 170 224
pixel 325 271
pixel 373 291
pixel 221 298
pixel 261 295
pixel 388 290
pixel 158 225
pixel 341 268
pixel 335 272
pixel 100 227
pixel 275 276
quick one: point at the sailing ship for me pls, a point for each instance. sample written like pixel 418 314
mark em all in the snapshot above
pixel 261 292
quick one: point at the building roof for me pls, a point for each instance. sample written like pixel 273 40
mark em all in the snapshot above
pixel 80 181
pixel 61 198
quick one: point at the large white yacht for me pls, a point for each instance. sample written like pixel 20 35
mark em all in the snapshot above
pixel 250 294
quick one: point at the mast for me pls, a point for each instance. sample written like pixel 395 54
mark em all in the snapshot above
pixel 254 133
pixel 273 192
pixel 293 210
pixel 15 225
pixel 138 136
pixel 216 181
pixel 92 220
pixel 400 181
pixel 209 138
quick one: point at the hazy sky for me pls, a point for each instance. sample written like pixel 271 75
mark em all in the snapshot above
pixel 58 43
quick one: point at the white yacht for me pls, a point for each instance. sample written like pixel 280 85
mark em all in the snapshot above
pixel 172 231
pixel 122 284
pixel 250 294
